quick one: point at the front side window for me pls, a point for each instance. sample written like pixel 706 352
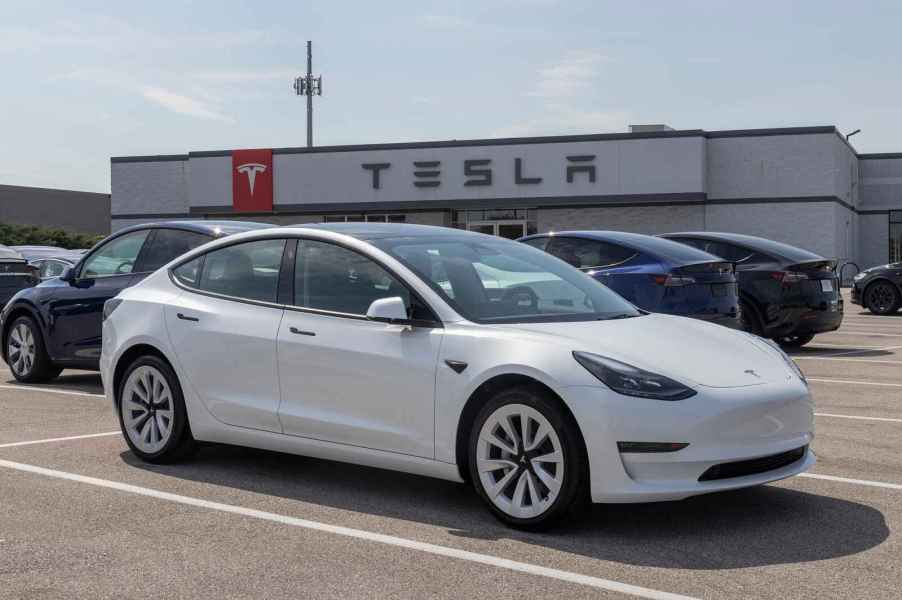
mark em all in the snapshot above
pixel 336 279
pixel 247 271
pixel 116 257
pixel 496 281
pixel 537 242
pixel 168 244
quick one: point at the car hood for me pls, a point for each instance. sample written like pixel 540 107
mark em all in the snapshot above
pixel 687 350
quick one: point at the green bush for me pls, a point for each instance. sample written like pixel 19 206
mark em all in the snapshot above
pixel 21 235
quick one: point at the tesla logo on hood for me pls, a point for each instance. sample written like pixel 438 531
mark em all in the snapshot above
pixel 252 180
pixel 752 373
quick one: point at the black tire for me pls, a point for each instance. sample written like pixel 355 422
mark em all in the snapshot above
pixel 749 319
pixel 38 370
pixel 573 496
pixel 181 444
pixel 795 341
pixel 882 298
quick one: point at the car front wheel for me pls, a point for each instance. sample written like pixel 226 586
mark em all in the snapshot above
pixel 26 355
pixel 882 298
pixel 152 412
pixel 527 460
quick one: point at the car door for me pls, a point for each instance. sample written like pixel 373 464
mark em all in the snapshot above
pixel 345 378
pixel 223 330
pixel 75 310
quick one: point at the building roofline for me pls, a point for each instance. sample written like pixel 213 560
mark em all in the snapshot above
pixel 13 188
pixel 599 137
pixel 880 155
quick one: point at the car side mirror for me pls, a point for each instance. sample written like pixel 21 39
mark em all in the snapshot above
pixel 68 275
pixel 388 310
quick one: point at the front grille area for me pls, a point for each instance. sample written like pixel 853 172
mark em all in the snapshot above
pixel 753 466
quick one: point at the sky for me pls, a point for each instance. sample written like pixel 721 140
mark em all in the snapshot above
pixel 84 81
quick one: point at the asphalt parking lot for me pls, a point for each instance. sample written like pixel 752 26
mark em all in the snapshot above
pixel 80 517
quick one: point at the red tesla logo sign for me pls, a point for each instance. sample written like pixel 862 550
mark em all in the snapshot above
pixel 252 180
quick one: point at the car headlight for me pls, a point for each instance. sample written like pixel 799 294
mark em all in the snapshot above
pixel 788 359
pixel 632 381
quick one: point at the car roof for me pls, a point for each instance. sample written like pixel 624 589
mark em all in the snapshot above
pixel 214 228
pixel 660 248
pixel 372 231
pixel 752 242
pixel 10 254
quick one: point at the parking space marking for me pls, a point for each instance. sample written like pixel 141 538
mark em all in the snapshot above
pixel 826 346
pixel 866 333
pixel 857 417
pixel 28 388
pixel 849 381
pixel 359 534
pixel 859 360
pixel 865 482
pixel 60 439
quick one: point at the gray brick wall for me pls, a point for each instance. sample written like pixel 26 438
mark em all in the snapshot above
pixel 82 212
pixel 638 219
pixel 149 187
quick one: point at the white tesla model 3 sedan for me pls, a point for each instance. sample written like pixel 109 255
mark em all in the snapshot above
pixel 449 354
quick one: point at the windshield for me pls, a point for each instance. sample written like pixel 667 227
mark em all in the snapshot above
pixel 494 281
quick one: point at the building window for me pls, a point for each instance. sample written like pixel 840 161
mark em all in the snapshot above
pixel 895 236
pixel 367 218
pixel 505 222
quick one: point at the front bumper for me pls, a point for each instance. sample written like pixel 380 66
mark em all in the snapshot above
pixel 721 425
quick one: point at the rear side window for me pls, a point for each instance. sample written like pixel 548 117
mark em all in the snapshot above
pixel 166 245
pixel 247 271
pixel 729 252
pixel 336 279
pixel 585 253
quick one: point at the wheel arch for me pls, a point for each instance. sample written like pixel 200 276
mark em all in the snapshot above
pixel 22 310
pixel 880 279
pixel 483 393
pixel 128 357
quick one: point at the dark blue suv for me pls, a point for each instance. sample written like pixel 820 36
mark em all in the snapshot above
pixel 56 324
pixel 655 274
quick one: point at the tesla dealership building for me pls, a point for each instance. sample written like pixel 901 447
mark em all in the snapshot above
pixel 805 186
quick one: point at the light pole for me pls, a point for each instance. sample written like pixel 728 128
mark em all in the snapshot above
pixel 309 86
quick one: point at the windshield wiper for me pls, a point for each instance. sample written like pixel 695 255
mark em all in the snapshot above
pixel 619 316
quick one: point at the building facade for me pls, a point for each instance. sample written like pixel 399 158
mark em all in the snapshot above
pixel 81 212
pixel 804 186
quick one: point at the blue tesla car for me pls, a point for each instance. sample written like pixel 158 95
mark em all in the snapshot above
pixel 655 274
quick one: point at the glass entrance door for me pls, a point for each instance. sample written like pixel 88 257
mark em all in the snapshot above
pixel 506 229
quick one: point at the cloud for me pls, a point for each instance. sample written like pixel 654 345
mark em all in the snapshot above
pixel 182 105
pixel 442 21
pixel 244 76
pixel 570 76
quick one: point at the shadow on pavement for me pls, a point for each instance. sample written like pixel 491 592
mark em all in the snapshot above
pixel 760 526
pixel 73 381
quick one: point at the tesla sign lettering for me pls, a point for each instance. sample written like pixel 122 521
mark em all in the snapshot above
pixel 252 179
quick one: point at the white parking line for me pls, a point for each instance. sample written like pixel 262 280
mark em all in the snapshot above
pixel 859 360
pixel 28 388
pixel 865 333
pixel 876 383
pixel 826 346
pixel 880 484
pixel 885 419
pixel 60 439
pixel 359 534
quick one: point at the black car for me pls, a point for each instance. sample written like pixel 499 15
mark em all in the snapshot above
pixel 786 293
pixel 879 289
pixel 15 273
pixel 50 261
pixel 56 324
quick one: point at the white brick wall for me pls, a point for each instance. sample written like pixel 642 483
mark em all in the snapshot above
pixel 638 219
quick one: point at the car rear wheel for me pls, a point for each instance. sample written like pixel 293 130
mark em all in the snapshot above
pixel 882 298
pixel 526 459
pixel 152 412
pixel 749 320
pixel 795 341
pixel 26 355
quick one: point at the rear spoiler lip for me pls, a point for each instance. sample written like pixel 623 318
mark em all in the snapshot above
pixel 802 266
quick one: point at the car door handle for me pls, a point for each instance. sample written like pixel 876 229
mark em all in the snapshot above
pixel 300 331
pixel 187 318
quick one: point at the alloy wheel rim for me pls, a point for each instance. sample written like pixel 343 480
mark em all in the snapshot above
pixel 21 350
pixel 881 297
pixel 520 461
pixel 147 409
